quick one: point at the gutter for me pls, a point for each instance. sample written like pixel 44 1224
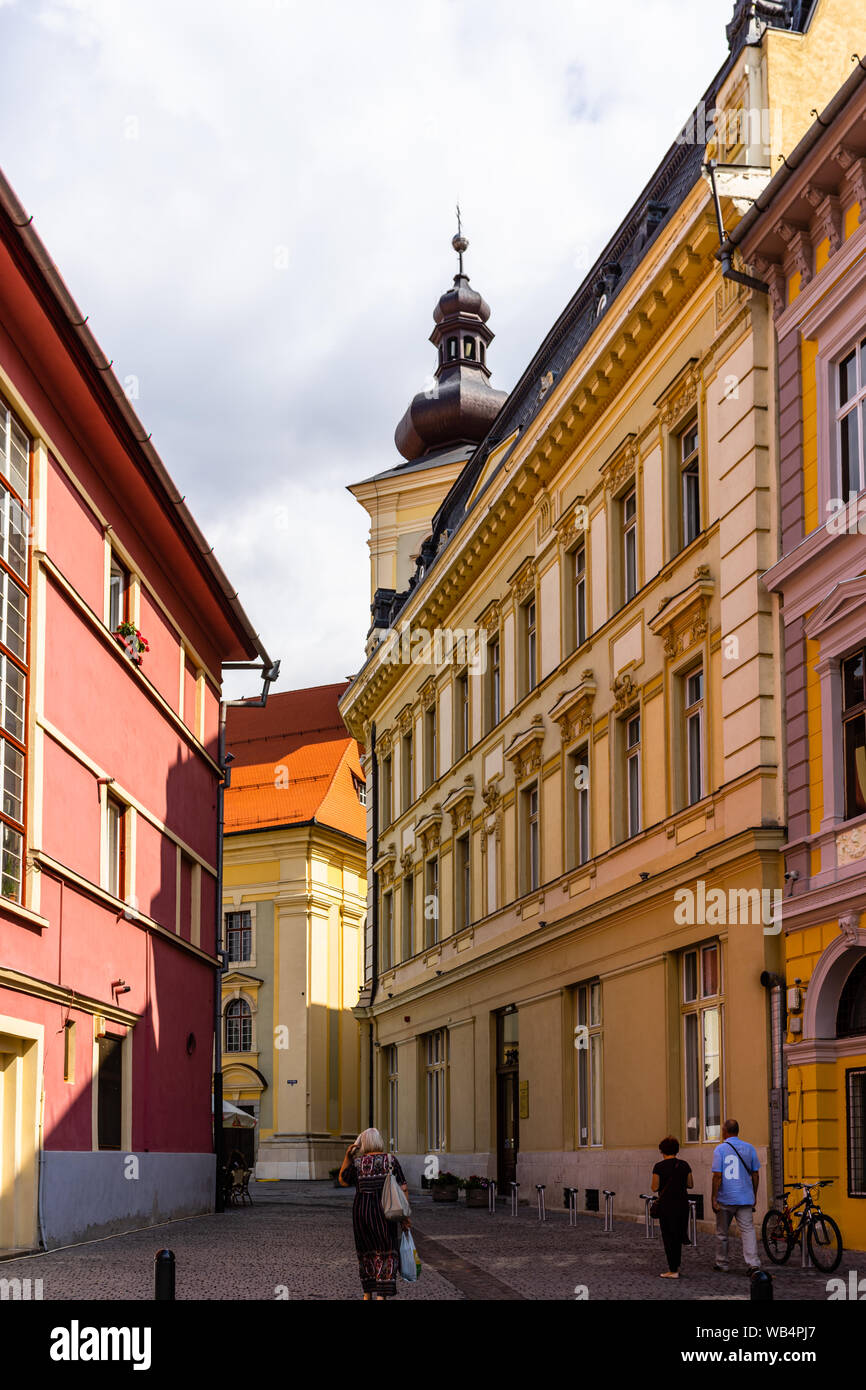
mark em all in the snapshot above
pixel 51 278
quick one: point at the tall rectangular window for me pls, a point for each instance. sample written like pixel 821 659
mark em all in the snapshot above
pixel 629 545
pixel 462 884
pixel 851 421
pixel 579 773
pixel 579 562
pixel 694 719
pixel 118 594
pixel 855 1085
pixel 702 1042
pixel 15 453
pixel 239 935
pixel 530 846
pixel 436 1077
pixel 407 770
pixel 632 774
pixel 116 847
pixel 387 932
pixel 461 720
pixel 407 895
pixel 531 650
pixel 690 486
pixel 109 1106
pixel 391 1096
pixel 587 1037
pixel 431 902
pixel 854 732
pixel 430 746
pixel 386 799
pixel 494 684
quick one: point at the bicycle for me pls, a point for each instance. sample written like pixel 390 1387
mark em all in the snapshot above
pixel 782 1230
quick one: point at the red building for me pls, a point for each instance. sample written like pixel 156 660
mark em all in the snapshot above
pixel 109 776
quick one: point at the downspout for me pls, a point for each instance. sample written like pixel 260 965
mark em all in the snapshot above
pixel 270 672
pixel 374 912
pixel 775 985
pixel 725 252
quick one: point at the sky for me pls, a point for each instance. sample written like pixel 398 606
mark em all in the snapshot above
pixel 254 204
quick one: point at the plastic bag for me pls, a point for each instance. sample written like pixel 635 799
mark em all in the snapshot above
pixel 410 1264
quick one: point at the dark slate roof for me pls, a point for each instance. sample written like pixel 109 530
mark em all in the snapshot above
pixel 432 460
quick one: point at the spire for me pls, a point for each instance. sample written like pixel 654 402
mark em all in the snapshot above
pixel 460 406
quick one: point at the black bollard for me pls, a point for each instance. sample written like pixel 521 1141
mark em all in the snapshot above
pixel 163 1276
pixel 762 1287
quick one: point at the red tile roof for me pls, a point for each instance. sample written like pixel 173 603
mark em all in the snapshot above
pixel 294 761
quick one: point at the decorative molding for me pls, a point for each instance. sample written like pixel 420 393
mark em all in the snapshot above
pixel 544 516
pixel 522 582
pixel 681 396
pixel 849 925
pixel 851 846
pixel 524 751
pixel 854 166
pixel 384 743
pixel 625 692
pixel 491 796
pixel 827 221
pixel 684 620
pixel 489 619
pixel 573 711
pixel 619 468
pixel 429 830
pixel 799 256
pixel 385 866
pixel 404 721
pixel 774 274
pixel 459 804
pixel 427 694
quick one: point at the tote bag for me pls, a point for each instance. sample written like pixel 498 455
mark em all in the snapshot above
pixel 395 1204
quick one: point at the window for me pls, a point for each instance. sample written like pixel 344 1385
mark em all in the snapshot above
pixel 391 1096
pixel 69 1050
pixel 855 1085
pixel 436 1074
pixel 118 594
pixel 239 935
pixel 14 453
pixel 851 1014
pixel 690 486
pixel 469 349
pixel 481 352
pixel 407 769
pixel 632 775
pixel 462 884
pixel 531 865
pixel 702 1043
pixel 494 683
pixel 693 685
pixel 629 545
pixel 116 848
pixel 851 421
pixel 854 733
pixel 360 788
pixel 452 349
pixel 15 450
pixel 579 562
pixel 430 746
pixel 587 1037
pixel 461 721
pixel 14 527
pixel 387 930
pixel 239 1026
pixel 387 815
pixel 431 902
pixel 12 691
pixel 579 771
pixel 408 905
pixel 109 1105
pixel 531 645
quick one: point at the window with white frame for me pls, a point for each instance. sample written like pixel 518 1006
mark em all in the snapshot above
pixel 15 453
pixel 690 485
pixel 629 545
pixel 436 1078
pixel 119 587
pixel 854 733
pixel 239 935
pixel 115 823
pixel 702 1042
pixel 693 701
pixel 238 1026
pixel 633 774
pixel 587 1037
pixel 851 421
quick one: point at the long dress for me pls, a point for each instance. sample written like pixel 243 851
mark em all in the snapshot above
pixel 377 1241
pixel 673 1176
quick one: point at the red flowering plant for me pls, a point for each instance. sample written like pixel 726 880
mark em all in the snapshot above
pixel 131 640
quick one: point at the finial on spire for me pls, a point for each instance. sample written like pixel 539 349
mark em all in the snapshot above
pixel 459 241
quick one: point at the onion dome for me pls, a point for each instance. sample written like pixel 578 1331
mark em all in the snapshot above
pixel 460 405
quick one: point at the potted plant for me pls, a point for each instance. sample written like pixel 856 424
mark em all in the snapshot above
pixel 446 1187
pixel 476 1189
pixel 129 637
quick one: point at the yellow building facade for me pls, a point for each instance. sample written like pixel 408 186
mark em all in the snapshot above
pixel 294 897
pixel 572 715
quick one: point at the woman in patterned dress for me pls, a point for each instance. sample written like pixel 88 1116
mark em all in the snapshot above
pixel 377 1241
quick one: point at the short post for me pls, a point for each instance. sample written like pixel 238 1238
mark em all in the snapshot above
pixel 491 1196
pixel 805 1258
pixel 542 1214
pixel 608 1209
pixel 761 1290
pixel 514 1187
pixel 693 1222
pixel 572 1205
pixel 163 1276
pixel 649 1227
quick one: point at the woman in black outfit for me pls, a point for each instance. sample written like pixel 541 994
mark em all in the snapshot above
pixel 672 1178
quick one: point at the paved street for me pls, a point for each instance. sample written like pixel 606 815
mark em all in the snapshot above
pixel 296 1241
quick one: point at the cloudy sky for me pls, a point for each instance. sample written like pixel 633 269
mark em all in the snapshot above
pixel 254 204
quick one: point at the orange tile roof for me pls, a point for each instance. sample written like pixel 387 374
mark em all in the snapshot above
pixel 293 764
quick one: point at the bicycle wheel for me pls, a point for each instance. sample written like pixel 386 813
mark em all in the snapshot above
pixel 778 1237
pixel 825 1242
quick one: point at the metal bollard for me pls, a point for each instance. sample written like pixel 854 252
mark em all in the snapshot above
pixel 572 1205
pixel 761 1290
pixel 608 1209
pixel 163 1276
pixel 693 1222
pixel 514 1187
pixel 649 1224
pixel 805 1258
pixel 542 1214
pixel 491 1197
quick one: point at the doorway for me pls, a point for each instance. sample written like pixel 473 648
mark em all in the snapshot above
pixel 507 1098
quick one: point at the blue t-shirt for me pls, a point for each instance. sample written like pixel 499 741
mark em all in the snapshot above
pixel 736 1161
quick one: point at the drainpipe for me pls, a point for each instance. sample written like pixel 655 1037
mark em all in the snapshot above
pixel 270 672
pixel 726 250
pixel 374 911
pixel 775 985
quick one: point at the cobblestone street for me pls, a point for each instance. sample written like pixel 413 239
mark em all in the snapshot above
pixel 296 1242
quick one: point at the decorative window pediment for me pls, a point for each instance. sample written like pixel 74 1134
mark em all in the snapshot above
pixel 680 396
pixel 573 711
pixel 618 470
pixel 839 621
pixel 522 582
pixel 459 804
pixel 429 829
pixel 385 866
pixel 524 750
pixel 684 619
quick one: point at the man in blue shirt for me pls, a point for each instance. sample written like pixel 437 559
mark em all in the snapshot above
pixel 735 1187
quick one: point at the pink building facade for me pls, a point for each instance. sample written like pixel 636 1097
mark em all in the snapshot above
pixel 109 773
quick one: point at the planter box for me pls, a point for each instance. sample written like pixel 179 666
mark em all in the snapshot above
pixel 477 1197
pixel 445 1194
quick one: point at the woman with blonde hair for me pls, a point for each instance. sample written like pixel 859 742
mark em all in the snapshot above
pixel 377 1240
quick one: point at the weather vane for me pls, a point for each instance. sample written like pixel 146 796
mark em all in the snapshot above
pixel 459 241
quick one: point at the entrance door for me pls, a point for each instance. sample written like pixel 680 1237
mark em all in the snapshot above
pixel 507 1099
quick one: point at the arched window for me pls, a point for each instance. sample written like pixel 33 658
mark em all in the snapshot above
pixel 452 348
pixel 469 348
pixel 239 1026
pixel 481 352
pixel 851 1016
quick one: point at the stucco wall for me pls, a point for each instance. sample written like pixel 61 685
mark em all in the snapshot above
pixel 80 1189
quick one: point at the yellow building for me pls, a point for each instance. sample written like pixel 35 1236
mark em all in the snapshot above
pixel 294 893
pixel 571 700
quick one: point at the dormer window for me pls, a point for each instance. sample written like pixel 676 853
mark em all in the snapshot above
pixel 469 349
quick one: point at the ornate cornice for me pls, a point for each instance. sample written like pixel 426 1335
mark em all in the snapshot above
pixel 573 711
pixel 684 620
pixel 524 750
pixel 798 259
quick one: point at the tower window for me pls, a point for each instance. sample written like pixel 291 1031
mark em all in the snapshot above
pixel 452 349
pixel 481 353
pixel 469 348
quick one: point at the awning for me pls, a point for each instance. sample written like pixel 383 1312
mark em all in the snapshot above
pixel 235 1118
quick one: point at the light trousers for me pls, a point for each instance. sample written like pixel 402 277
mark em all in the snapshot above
pixel 746 1223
